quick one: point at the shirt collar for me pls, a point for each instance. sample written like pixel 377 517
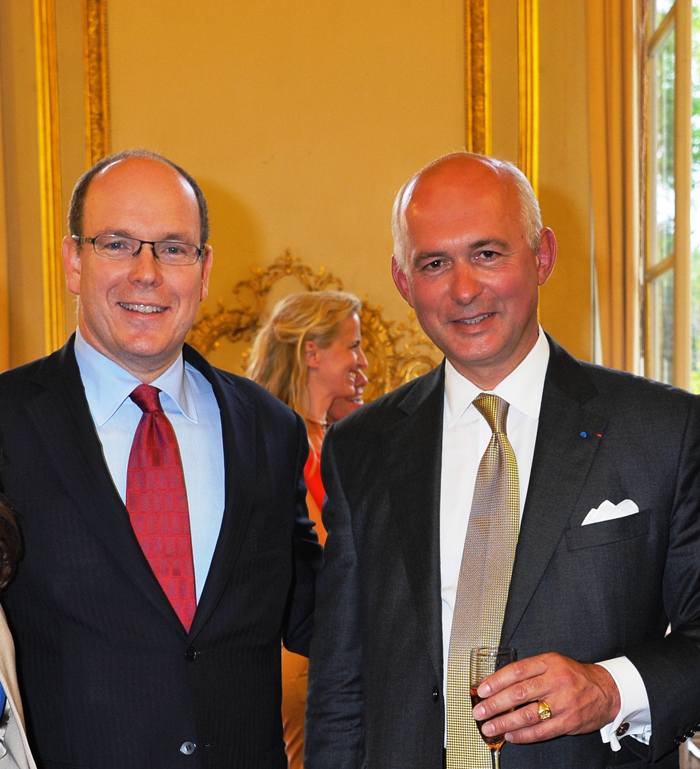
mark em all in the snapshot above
pixel 522 388
pixel 108 385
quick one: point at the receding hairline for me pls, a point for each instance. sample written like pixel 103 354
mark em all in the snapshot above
pixel 136 159
pixel 83 185
pixel 510 176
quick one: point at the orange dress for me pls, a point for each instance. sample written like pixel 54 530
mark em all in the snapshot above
pixel 295 667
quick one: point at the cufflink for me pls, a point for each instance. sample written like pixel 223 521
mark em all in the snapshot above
pixel 622 729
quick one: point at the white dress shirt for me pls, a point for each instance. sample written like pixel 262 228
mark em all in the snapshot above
pixel 190 404
pixel 466 435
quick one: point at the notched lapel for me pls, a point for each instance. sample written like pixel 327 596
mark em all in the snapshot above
pixel 239 439
pixel 414 445
pixel 62 419
pixel 568 437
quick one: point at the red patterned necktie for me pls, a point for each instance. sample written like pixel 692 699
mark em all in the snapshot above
pixel 157 503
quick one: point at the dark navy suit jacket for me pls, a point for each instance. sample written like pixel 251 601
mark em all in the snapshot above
pixel 109 676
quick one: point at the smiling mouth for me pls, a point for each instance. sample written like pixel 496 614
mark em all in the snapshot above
pixel 145 309
pixel 474 321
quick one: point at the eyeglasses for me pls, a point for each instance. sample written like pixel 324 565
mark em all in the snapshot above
pixel 123 249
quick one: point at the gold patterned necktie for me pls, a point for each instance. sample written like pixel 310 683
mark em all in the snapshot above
pixel 484 580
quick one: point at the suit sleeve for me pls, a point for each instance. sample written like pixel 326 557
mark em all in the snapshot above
pixel 670 667
pixel 334 706
pixel 307 557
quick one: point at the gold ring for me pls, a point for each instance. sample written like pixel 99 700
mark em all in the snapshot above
pixel 543 710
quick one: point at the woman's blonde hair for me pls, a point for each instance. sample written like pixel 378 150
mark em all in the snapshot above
pixel 278 358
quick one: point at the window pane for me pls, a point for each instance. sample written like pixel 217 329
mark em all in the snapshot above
pixel 662 181
pixel 695 205
pixel 659 10
pixel 661 315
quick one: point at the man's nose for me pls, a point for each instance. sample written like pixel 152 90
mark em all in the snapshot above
pixel 144 267
pixel 466 282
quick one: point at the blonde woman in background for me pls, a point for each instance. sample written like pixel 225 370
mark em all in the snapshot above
pixel 309 354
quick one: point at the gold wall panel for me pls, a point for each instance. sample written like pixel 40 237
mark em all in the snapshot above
pixel 477 85
pixel 528 89
pixel 96 80
pixel 49 172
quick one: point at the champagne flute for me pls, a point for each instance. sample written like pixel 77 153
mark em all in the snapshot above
pixel 483 661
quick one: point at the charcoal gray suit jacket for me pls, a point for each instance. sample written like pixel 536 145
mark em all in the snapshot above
pixel 590 592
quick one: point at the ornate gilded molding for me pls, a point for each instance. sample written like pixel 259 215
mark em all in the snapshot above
pixel 477 81
pixel 49 173
pixel 96 79
pixel 529 89
pixel 396 352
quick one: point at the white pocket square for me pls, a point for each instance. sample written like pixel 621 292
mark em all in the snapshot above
pixel 608 512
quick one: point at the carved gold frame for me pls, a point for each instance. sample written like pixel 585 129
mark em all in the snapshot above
pixel 528 89
pixel 49 172
pixel 477 51
pixel 97 141
pixel 96 80
pixel 396 352
pixel 477 79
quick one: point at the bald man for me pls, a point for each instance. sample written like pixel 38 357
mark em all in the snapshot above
pixel 607 546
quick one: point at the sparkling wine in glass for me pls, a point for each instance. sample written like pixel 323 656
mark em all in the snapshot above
pixel 483 661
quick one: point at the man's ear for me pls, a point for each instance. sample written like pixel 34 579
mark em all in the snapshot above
pixel 72 264
pixel 311 352
pixel 206 270
pixel 400 280
pixel 546 255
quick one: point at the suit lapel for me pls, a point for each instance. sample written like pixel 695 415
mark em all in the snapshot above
pixel 63 421
pixel 239 441
pixel 414 446
pixel 62 418
pixel 567 440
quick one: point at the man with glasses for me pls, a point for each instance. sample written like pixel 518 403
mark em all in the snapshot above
pixel 167 547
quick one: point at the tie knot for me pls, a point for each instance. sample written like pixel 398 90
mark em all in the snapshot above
pixel 146 398
pixel 494 410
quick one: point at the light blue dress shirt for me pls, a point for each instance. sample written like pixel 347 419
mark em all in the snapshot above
pixel 190 404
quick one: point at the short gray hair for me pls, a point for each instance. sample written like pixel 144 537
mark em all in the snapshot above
pixel 529 207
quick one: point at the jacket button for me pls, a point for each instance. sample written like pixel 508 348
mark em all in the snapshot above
pixel 622 729
pixel 436 694
pixel 191 654
pixel 188 748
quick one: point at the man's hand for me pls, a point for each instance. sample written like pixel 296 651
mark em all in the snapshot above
pixel 583 698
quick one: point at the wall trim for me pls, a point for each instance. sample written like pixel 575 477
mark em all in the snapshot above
pixel 528 90
pixel 49 173
pixel 96 80
pixel 477 80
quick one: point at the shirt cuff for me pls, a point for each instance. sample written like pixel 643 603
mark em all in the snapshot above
pixel 634 717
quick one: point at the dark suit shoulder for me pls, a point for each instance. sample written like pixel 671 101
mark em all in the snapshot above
pixel 42 372
pixel 397 404
pixel 591 382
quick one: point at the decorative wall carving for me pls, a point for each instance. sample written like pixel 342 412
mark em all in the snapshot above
pixel 49 172
pixel 397 352
pixel 97 141
pixel 477 56
pixel 96 79
pixel 529 89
